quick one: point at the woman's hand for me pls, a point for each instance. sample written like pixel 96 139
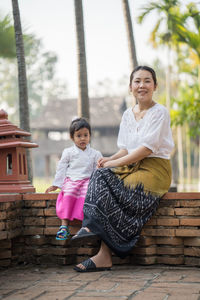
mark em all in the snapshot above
pixel 51 189
pixel 102 161
pixel 110 164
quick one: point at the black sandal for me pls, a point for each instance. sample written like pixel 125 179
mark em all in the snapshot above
pixel 90 267
pixel 83 233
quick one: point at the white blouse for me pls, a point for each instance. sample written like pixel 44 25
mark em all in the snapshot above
pixel 153 132
pixel 76 164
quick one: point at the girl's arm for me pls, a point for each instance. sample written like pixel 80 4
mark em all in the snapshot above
pixel 135 156
pixel 103 160
pixel 60 172
pixel 62 168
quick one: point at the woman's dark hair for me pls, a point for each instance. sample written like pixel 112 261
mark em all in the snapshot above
pixel 78 124
pixel 150 70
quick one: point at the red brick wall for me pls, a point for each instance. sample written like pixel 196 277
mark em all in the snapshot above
pixel 28 225
pixel 11 225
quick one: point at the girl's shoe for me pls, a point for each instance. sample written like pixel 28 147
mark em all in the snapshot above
pixel 63 233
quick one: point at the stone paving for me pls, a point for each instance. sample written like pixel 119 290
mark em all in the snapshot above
pixel 156 282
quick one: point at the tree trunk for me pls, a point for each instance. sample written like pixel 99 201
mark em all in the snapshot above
pixel 22 81
pixel 188 154
pixel 199 166
pixel 130 35
pixel 47 166
pixel 168 80
pixel 180 156
pixel 83 100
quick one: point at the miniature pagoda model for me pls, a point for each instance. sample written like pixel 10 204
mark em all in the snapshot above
pixel 13 160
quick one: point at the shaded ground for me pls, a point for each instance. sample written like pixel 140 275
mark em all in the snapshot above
pixel 123 282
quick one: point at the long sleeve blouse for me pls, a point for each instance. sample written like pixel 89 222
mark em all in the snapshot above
pixel 153 132
pixel 76 164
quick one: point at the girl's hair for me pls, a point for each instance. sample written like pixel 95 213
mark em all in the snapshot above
pixel 78 124
pixel 150 70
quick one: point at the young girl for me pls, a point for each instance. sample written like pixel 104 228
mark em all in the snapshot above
pixel 72 176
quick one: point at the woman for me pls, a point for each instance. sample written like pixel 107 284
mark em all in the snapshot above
pixel 125 191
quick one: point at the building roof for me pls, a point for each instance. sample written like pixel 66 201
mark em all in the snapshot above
pixel 57 114
pixel 106 144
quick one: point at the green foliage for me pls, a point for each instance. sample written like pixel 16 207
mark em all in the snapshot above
pixel 188 101
pixel 7 38
pixel 178 27
pixel 165 27
pixel 41 77
pixel 188 32
pixel 40 68
pixel 186 108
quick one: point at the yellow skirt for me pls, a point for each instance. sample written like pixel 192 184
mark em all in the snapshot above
pixel 153 173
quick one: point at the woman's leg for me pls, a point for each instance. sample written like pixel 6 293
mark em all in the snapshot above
pixel 102 259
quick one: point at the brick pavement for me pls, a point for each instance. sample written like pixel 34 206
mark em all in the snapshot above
pixel 156 282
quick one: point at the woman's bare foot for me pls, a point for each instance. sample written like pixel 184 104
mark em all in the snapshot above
pixel 102 259
pixel 87 229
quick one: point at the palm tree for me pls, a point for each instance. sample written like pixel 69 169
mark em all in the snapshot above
pixel 22 80
pixel 7 45
pixel 191 38
pixel 167 10
pixel 83 99
pixel 130 35
pixel 169 16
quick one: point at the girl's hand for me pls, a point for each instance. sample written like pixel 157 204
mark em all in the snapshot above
pixel 110 164
pixel 101 161
pixel 51 189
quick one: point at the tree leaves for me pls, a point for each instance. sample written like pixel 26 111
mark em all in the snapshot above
pixel 7 38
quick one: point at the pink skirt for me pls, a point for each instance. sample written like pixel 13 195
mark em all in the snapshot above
pixel 71 199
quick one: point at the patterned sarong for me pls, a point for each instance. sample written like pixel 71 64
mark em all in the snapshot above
pixel 121 200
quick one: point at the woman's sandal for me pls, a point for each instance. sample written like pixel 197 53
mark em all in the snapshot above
pixel 83 233
pixel 63 233
pixel 89 266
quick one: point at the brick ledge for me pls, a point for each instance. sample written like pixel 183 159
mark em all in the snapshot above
pixel 53 196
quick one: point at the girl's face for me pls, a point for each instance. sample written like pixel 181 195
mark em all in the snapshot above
pixel 143 86
pixel 81 138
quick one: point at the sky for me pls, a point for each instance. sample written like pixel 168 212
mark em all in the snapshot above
pixel 53 21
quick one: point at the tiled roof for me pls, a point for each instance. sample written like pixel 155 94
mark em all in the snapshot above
pixel 57 114
pixel 106 144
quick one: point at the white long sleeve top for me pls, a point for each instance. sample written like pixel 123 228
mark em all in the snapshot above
pixel 76 164
pixel 153 132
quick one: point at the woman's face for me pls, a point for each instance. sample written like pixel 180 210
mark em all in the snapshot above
pixel 143 86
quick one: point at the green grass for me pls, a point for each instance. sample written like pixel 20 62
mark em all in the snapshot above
pixel 41 184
